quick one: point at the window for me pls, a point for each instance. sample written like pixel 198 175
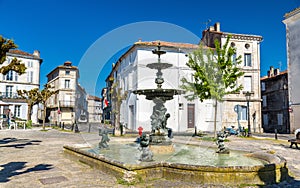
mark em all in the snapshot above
pixel 264 101
pixel 8 92
pixel 67 83
pixel 16 76
pixel 247 60
pixel 67 72
pixel 242 113
pixel 279 119
pixel 17 111
pixel 30 76
pixel 247 83
pixel 263 86
pixel 265 119
pixel 29 64
pixel 9 75
pixel 234 59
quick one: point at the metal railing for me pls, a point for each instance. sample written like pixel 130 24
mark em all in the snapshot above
pixel 66 103
pixel 9 95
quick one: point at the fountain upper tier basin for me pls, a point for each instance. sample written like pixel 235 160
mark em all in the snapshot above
pixel 164 94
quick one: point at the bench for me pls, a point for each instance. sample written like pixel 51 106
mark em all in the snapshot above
pixel 294 142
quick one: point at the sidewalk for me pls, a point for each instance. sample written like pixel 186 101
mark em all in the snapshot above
pixel 34 158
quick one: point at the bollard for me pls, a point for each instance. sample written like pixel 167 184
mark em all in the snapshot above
pixel 89 127
pixel 76 130
pixel 275 134
pixel 63 126
pixel 59 124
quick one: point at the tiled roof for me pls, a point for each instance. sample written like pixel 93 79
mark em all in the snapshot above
pixel 90 97
pixel 292 13
pixel 268 77
pixel 20 52
pixel 167 44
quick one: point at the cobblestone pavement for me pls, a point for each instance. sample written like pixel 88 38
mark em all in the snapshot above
pixel 34 158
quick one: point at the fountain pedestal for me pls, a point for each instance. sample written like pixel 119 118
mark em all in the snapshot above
pixel 161 144
pixel 160 141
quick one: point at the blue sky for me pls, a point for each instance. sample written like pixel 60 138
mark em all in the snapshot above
pixel 71 29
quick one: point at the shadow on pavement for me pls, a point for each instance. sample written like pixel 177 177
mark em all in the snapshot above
pixel 17 168
pixel 17 143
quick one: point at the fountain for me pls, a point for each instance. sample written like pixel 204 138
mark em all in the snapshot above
pixel 163 158
pixel 160 137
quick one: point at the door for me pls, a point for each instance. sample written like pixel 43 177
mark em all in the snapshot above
pixel 191 116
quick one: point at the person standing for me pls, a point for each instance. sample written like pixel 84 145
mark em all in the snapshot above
pixel 8 117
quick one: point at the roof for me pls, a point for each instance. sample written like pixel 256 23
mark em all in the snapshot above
pixel 90 97
pixel 167 44
pixel 243 36
pixel 271 77
pixel 292 13
pixel 22 53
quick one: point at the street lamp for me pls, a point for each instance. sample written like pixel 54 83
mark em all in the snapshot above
pixel 248 97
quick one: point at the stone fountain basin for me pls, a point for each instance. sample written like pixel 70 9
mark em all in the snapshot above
pixel 273 170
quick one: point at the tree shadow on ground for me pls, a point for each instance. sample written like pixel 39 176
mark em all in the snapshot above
pixel 17 143
pixel 17 168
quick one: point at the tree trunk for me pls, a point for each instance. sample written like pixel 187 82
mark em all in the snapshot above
pixel 29 112
pixel 44 116
pixel 117 131
pixel 215 118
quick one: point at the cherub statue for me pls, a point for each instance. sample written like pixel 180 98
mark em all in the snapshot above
pixel 147 154
pixel 220 142
pixel 104 140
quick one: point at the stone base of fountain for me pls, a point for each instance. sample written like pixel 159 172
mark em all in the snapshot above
pixel 274 171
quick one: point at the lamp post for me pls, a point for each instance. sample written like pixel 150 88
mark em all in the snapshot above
pixel 248 97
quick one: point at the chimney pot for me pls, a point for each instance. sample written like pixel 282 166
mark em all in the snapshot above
pixel 217 27
pixel 36 53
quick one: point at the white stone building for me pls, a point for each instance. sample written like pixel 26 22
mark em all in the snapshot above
pixel 94 109
pixel 70 102
pixel 131 72
pixel 11 82
pixel 292 23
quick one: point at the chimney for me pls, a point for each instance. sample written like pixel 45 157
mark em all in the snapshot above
pixel 140 40
pixel 211 28
pixel 217 27
pixel 271 71
pixel 36 53
pixel 276 72
pixel 68 63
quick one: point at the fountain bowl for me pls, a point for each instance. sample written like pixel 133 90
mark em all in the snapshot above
pixel 273 170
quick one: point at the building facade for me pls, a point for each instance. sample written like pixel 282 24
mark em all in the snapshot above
pixel 292 24
pixel 94 109
pixel 275 102
pixel 70 102
pixel 11 82
pixel 132 73
pixel 234 106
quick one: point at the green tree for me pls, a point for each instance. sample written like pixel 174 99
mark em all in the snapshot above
pixel 43 96
pixel 215 74
pixel 31 97
pixel 117 97
pixel 15 64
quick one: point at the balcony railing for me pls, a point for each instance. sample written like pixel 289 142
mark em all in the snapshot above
pixel 66 103
pixel 9 95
